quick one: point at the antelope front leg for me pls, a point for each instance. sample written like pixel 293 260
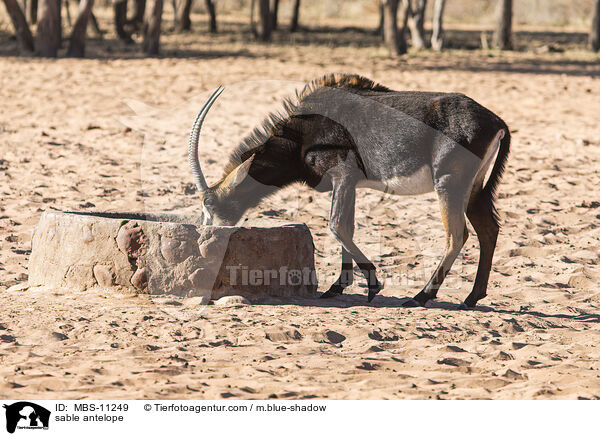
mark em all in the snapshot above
pixel 345 279
pixel 341 223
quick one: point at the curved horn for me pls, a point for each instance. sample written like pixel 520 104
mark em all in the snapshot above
pixel 193 144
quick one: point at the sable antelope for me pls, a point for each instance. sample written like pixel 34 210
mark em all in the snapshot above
pixel 345 132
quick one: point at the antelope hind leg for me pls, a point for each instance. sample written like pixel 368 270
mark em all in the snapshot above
pixel 481 214
pixel 453 217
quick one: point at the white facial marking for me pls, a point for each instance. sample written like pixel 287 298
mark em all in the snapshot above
pixel 206 217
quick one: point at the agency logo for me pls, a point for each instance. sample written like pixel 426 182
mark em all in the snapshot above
pixel 26 415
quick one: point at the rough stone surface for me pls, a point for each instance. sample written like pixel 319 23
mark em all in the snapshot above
pixel 139 279
pixel 171 254
pixel 130 240
pixel 104 275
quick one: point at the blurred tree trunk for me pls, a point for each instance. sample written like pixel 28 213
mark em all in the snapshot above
pixel 404 10
pixel 390 25
pixel 94 22
pixel 151 29
pixel 47 40
pixel 265 20
pixel 174 5
pixel 417 23
pixel 59 22
pixel 274 13
pixel 594 39
pixel 68 11
pixel 252 22
pixel 503 33
pixel 24 36
pixel 212 12
pixel 379 30
pixel 77 41
pixel 437 34
pixel 395 39
pixel 184 23
pixel 120 15
pixel 295 15
pixel 33 7
pixel 139 11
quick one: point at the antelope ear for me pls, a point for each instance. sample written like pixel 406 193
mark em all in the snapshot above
pixel 240 172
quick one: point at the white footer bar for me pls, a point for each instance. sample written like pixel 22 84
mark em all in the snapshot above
pixel 282 417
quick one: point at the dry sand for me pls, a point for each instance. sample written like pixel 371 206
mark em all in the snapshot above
pixel 70 140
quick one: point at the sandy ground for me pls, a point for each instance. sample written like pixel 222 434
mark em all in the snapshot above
pixel 110 134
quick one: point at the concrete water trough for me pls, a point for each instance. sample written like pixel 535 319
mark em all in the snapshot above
pixel 164 254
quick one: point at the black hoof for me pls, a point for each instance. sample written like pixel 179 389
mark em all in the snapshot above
pixel 462 306
pixel 472 302
pixel 411 302
pixel 469 304
pixel 332 292
pixel 374 291
pixel 372 295
pixel 422 298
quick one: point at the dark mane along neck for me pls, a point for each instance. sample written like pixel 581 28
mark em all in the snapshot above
pixel 337 80
pixel 277 120
pixel 260 135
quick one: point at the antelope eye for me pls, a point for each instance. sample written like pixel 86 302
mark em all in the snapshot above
pixel 209 201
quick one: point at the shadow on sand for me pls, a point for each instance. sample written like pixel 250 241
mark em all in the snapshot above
pixel 345 301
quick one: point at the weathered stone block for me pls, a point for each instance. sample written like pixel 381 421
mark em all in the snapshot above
pixel 104 275
pixel 171 254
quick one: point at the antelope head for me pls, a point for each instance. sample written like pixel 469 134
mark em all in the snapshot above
pixel 223 203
